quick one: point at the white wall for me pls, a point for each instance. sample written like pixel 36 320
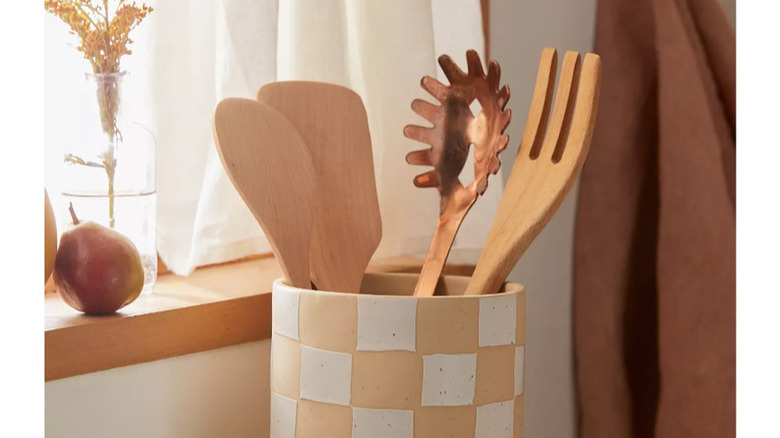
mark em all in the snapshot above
pixel 217 393
pixel 730 7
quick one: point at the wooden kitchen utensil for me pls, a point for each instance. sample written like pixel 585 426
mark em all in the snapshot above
pixel 454 129
pixel 347 226
pixel 546 167
pixel 270 167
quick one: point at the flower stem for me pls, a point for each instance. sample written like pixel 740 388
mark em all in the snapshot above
pixel 73 216
pixel 110 173
pixel 108 103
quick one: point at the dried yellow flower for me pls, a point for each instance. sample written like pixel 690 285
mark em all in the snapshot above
pixel 103 41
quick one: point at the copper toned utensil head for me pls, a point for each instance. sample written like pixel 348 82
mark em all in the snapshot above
pixel 454 130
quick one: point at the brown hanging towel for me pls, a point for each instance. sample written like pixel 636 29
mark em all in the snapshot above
pixel 654 275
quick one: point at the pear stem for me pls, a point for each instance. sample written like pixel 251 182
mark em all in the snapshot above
pixel 73 216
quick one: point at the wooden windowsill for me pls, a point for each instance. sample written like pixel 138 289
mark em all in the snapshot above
pixel 214 307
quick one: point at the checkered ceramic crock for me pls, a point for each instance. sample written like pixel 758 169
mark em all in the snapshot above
pixel 384 364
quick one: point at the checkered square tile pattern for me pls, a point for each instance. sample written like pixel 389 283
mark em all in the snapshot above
pixel 396 367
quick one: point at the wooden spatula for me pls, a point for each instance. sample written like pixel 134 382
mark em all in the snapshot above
pixel 270 167
pixel 347 225
pixel 546 166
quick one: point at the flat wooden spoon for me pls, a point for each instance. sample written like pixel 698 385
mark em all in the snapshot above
pixel 270 167
pixel 347 225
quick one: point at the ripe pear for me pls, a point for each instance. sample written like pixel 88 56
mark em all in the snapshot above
pixel 98 270
pixel 49 237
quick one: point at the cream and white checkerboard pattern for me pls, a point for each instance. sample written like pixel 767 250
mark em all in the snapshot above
pixel 396 367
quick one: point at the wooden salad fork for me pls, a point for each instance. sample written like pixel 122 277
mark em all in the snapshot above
pixel 546 166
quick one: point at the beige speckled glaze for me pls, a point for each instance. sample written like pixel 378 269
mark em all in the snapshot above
pixel 385 364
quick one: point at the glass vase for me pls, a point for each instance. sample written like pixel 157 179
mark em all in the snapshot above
pixel 108 173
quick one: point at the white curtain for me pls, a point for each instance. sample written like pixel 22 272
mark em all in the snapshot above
pixel 190 57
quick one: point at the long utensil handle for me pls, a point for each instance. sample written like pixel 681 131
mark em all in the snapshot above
pixel 441 243
pixel 498 257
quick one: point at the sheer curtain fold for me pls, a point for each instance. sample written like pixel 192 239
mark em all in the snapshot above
pixel 191 57
pixel 245 56
pixel 229 46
